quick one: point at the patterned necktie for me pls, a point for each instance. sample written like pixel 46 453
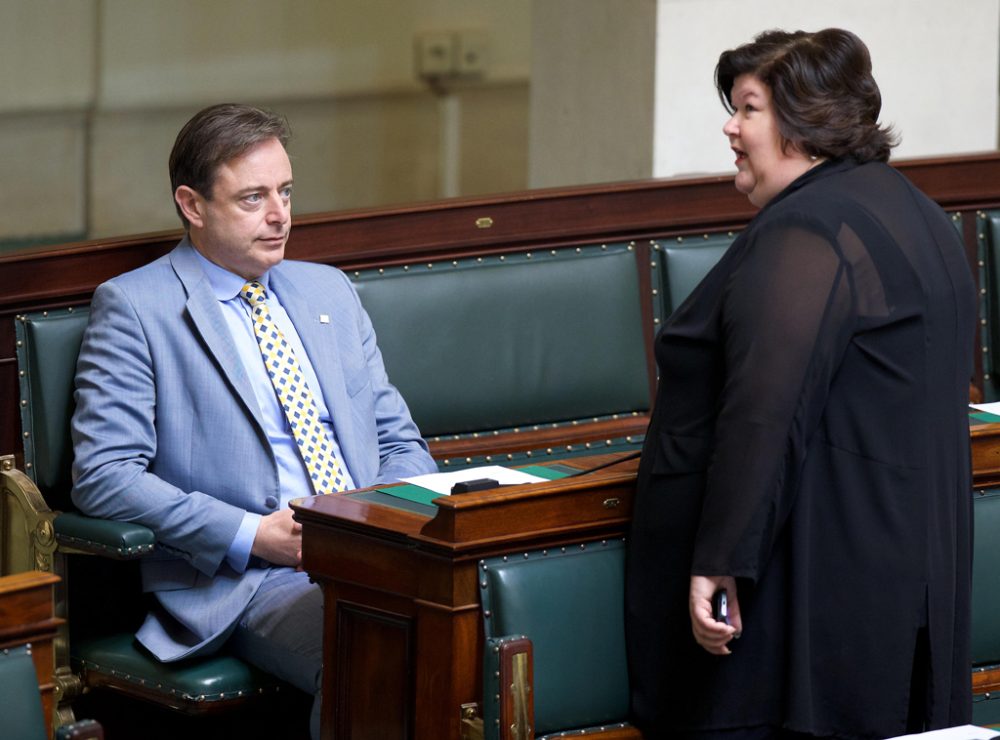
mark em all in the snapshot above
pixel 325 471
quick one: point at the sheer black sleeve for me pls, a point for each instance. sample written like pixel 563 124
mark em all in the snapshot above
pixel 787 316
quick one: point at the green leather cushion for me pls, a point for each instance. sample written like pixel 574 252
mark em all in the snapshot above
pixel 22 714
pixel 985 584
pixel 49 347
pixel 986 710
pixel 122 540
pixel 570 603
pixel 212 678
pixel 685 263
pixel 496 344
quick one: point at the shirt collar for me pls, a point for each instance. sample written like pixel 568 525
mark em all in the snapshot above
pixel 226 285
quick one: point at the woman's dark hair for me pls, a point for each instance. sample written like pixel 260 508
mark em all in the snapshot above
pixel 824 97
pixel 214 136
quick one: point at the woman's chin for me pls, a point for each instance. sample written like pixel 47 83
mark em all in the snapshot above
pixel 745 183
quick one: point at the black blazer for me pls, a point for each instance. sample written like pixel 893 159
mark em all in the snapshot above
pixel 810 437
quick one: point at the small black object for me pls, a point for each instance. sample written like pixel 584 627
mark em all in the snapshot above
pixel 720 606
pixel 477 484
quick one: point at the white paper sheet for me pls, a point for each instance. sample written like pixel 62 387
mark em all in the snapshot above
pixel 965 732
pixel 442 482
pixel 989 408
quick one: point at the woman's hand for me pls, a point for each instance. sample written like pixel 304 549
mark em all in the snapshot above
pixel 711 635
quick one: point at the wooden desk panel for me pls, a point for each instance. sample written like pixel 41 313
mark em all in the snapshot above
pixel 985 440
pixel 401 593
pixel 403 628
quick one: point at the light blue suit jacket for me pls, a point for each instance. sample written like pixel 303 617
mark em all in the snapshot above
pixel 167 430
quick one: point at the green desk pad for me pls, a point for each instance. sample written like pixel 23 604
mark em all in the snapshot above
pixel 418 500
pixel 984 416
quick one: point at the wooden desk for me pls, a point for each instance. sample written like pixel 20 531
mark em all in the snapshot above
pixel 403 630
pixel 985 440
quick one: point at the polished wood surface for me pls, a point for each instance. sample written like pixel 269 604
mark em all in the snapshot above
pixel 26 617
pixel 401 595
pixel 985 439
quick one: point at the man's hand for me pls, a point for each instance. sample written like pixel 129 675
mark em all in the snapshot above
pixel 279 539
pixel 711 635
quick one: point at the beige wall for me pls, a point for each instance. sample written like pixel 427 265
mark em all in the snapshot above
pixel 624 89
pixel 936 64
pixel 87 118
pixel 93 92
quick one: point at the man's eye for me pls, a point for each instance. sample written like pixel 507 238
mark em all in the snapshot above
pixel 286 193
pixel 252 198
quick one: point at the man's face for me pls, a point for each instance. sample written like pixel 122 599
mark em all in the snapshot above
pixel 245 225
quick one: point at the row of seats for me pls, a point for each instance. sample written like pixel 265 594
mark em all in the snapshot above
pixel 480 348
pixel 555 338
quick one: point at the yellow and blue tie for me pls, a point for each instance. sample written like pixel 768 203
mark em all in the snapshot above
pixel 315 447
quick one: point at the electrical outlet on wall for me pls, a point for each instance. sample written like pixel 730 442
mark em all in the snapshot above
pixel 435 54
pixel 450 55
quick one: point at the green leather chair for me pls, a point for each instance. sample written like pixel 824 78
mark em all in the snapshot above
pixel 988 247
pixel 554 658
pixel 985 608
pixel 100 597
pixel 550 337
pixel 682 264
pixel 23 716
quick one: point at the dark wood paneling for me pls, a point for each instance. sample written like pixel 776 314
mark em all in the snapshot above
pixel 374 690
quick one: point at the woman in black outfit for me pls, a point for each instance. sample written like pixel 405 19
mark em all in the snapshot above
pixel 808 450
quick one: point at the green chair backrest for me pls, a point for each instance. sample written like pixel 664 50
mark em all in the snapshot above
pixel 570 602
pixel 685 261
pixel 986 579
pixel 48 344
pixel 503 342
pixel 988 247
pixel 22 715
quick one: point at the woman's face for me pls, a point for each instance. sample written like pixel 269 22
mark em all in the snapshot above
pixel 763 169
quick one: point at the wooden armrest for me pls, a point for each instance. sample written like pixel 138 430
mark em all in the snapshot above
pixel 509 703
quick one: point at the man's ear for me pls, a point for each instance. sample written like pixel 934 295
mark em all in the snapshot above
pixel 192 205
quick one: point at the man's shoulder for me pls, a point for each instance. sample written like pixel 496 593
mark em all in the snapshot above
pixel 312 269
pixel 154 271
pixel 311 277
pixel 151 284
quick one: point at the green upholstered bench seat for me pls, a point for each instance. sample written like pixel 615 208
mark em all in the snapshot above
pixel 119 661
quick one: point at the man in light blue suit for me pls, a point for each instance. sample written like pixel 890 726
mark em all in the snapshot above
pixel 179 428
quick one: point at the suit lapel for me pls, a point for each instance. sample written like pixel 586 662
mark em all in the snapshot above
pixel 203 308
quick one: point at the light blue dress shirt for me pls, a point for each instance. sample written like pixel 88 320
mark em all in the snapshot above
pixel 292 476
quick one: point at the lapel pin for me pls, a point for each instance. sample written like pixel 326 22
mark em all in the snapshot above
pixel 324 318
